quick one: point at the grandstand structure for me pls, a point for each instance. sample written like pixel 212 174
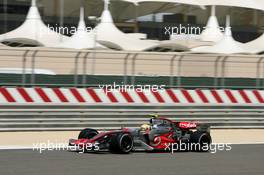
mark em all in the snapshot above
pixel 33 31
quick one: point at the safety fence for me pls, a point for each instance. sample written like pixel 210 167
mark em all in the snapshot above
pixel 31 62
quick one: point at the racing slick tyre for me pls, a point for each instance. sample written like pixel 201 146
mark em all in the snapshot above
pixel 87 133
pixel 200 141
pixel 121 143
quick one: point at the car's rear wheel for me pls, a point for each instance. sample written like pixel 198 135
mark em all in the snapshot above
pixel 200 141
pixel 121 143
pixel 87 133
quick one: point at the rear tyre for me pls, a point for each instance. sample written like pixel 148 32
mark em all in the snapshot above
pixel 121 143
pixel 200 141
pixel 87 133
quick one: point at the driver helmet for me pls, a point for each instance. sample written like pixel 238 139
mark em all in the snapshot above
pixel 153 116
pixel 145 127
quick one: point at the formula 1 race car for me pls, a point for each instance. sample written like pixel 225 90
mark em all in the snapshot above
pixel 160 134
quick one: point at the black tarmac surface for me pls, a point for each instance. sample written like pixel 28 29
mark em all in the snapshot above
pixel 241 160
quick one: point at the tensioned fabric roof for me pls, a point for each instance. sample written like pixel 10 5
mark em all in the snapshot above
pixel 148 6
pixel 121 10
pixel 213 34
pixel 209 36
pixel 127 9
pixel 254 4
pixel 82 39
pixel 33 31
pixel 225 46
pixel 109 35
pixel 212 31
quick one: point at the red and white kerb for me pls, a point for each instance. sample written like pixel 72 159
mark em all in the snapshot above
pixel 100 96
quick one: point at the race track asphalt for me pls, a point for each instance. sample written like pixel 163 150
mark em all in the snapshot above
pixel 241 160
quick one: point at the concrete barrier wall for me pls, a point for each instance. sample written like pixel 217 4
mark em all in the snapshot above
pixel 130 97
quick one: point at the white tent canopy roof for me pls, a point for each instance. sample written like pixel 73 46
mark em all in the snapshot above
pixel 82 39
pixel 33 31
pixel 123 10
pixel 254 4
pixel 212 31
pixel 226 46
pixel 109 35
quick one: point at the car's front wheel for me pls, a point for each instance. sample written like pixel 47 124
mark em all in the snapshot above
pixel 200 141
pixel 121 143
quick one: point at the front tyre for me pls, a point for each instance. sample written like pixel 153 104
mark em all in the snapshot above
pixel 200 141
pixel 121 143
